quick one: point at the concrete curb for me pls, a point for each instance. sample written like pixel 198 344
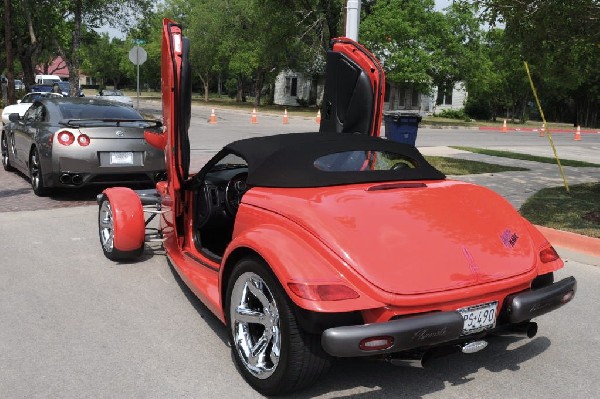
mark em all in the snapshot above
pixel 571 241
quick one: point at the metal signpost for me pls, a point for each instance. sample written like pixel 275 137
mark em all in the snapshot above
pixel 138 56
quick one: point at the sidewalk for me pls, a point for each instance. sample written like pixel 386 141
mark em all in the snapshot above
pixel 516 187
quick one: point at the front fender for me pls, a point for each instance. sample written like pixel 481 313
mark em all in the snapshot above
pixel 129 226
pixel 294 255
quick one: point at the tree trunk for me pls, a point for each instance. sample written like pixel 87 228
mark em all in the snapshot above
pixel 75 64
pixel 10 75
pixel 205 83
pixel 239 95
pixel 260 78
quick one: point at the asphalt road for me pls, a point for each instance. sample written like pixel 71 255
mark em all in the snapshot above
pixel 75 325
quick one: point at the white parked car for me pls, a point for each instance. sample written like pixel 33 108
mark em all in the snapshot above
pixel 116 95
pixel 23 104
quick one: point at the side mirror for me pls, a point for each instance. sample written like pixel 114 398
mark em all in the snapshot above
pixel 18 101
pixel 14 117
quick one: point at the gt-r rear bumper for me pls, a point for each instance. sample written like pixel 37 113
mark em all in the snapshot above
pixel 442 327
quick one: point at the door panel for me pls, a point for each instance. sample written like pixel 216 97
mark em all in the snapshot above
pixel 354 90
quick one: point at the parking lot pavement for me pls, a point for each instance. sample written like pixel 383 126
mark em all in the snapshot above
pixel 16 195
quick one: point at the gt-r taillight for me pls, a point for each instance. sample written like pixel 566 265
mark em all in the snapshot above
pixel 548 255
pixel 65 138
pixel 323 292
pixel 83 140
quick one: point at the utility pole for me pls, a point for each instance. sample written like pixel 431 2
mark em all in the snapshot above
pixel 352 19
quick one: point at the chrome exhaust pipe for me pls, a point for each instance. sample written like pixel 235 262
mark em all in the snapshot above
pixel 65 178
pixel 415 359
pixel 77 179
pixel 527 329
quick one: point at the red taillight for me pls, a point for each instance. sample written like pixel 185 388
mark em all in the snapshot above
pixel 65 138
pixel 83 140
pixel 548 255
pixel 323 292
pixel 376 343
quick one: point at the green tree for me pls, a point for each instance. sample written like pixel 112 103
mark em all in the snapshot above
pixel 560 40
pixel 420 46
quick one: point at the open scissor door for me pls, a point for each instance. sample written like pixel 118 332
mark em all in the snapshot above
pixel 354 90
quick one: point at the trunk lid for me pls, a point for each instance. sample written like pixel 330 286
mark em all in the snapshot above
pixel 415 238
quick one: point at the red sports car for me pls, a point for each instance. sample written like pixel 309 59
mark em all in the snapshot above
pixel 333 244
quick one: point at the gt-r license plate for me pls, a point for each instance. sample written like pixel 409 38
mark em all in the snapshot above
pixel 479 317
pixel 121 158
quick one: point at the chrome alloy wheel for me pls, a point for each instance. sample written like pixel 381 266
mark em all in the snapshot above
pixel 34 170
pixel 255 325
pixel 4 148
pixel 107 235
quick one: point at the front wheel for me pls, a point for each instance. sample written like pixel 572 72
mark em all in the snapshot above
pixel 271 351
pixel 107 232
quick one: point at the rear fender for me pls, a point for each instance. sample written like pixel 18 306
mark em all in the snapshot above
pixel 541 243
pixel 128 217
pixel 294 256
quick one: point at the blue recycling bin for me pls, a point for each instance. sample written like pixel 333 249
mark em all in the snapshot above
pixel 401 127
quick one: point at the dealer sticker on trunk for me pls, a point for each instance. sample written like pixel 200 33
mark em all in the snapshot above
pixel 479 317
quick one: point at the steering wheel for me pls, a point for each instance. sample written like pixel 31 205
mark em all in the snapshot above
pixel 236 187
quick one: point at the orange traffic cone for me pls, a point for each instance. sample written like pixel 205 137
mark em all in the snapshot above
pixel 577 134
pixel 285 117
pixel 318 118
pixel 253 118
pixel 504 127
pixel 213 117
pixel 542 130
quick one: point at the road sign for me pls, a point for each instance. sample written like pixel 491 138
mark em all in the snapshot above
pixel 138 55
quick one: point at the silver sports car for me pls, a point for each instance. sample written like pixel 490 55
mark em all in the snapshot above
pixel 72 142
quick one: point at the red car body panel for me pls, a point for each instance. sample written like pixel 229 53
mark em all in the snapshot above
pixel 416 245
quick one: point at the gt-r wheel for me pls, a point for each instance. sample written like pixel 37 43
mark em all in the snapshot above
pixel 107 232
pixel 271 351
pixel 5 159
pixel 36 175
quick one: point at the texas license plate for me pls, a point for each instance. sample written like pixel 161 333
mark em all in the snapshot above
pixel 121 158
pixel 479 317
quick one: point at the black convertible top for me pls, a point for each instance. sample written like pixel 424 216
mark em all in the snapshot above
pixel 288 160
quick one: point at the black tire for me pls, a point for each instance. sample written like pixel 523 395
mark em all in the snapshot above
pixel 5 159
pixel 106 234
pixel 36 174
pixel 301 358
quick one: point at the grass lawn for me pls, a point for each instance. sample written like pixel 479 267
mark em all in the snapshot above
pixel 526 157
pixel 578 212
pixel 453 166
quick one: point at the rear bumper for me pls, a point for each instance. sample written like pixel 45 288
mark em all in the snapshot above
pixel 443 327
pixel 529 304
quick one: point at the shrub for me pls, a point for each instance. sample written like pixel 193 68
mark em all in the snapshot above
pixel 454 114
